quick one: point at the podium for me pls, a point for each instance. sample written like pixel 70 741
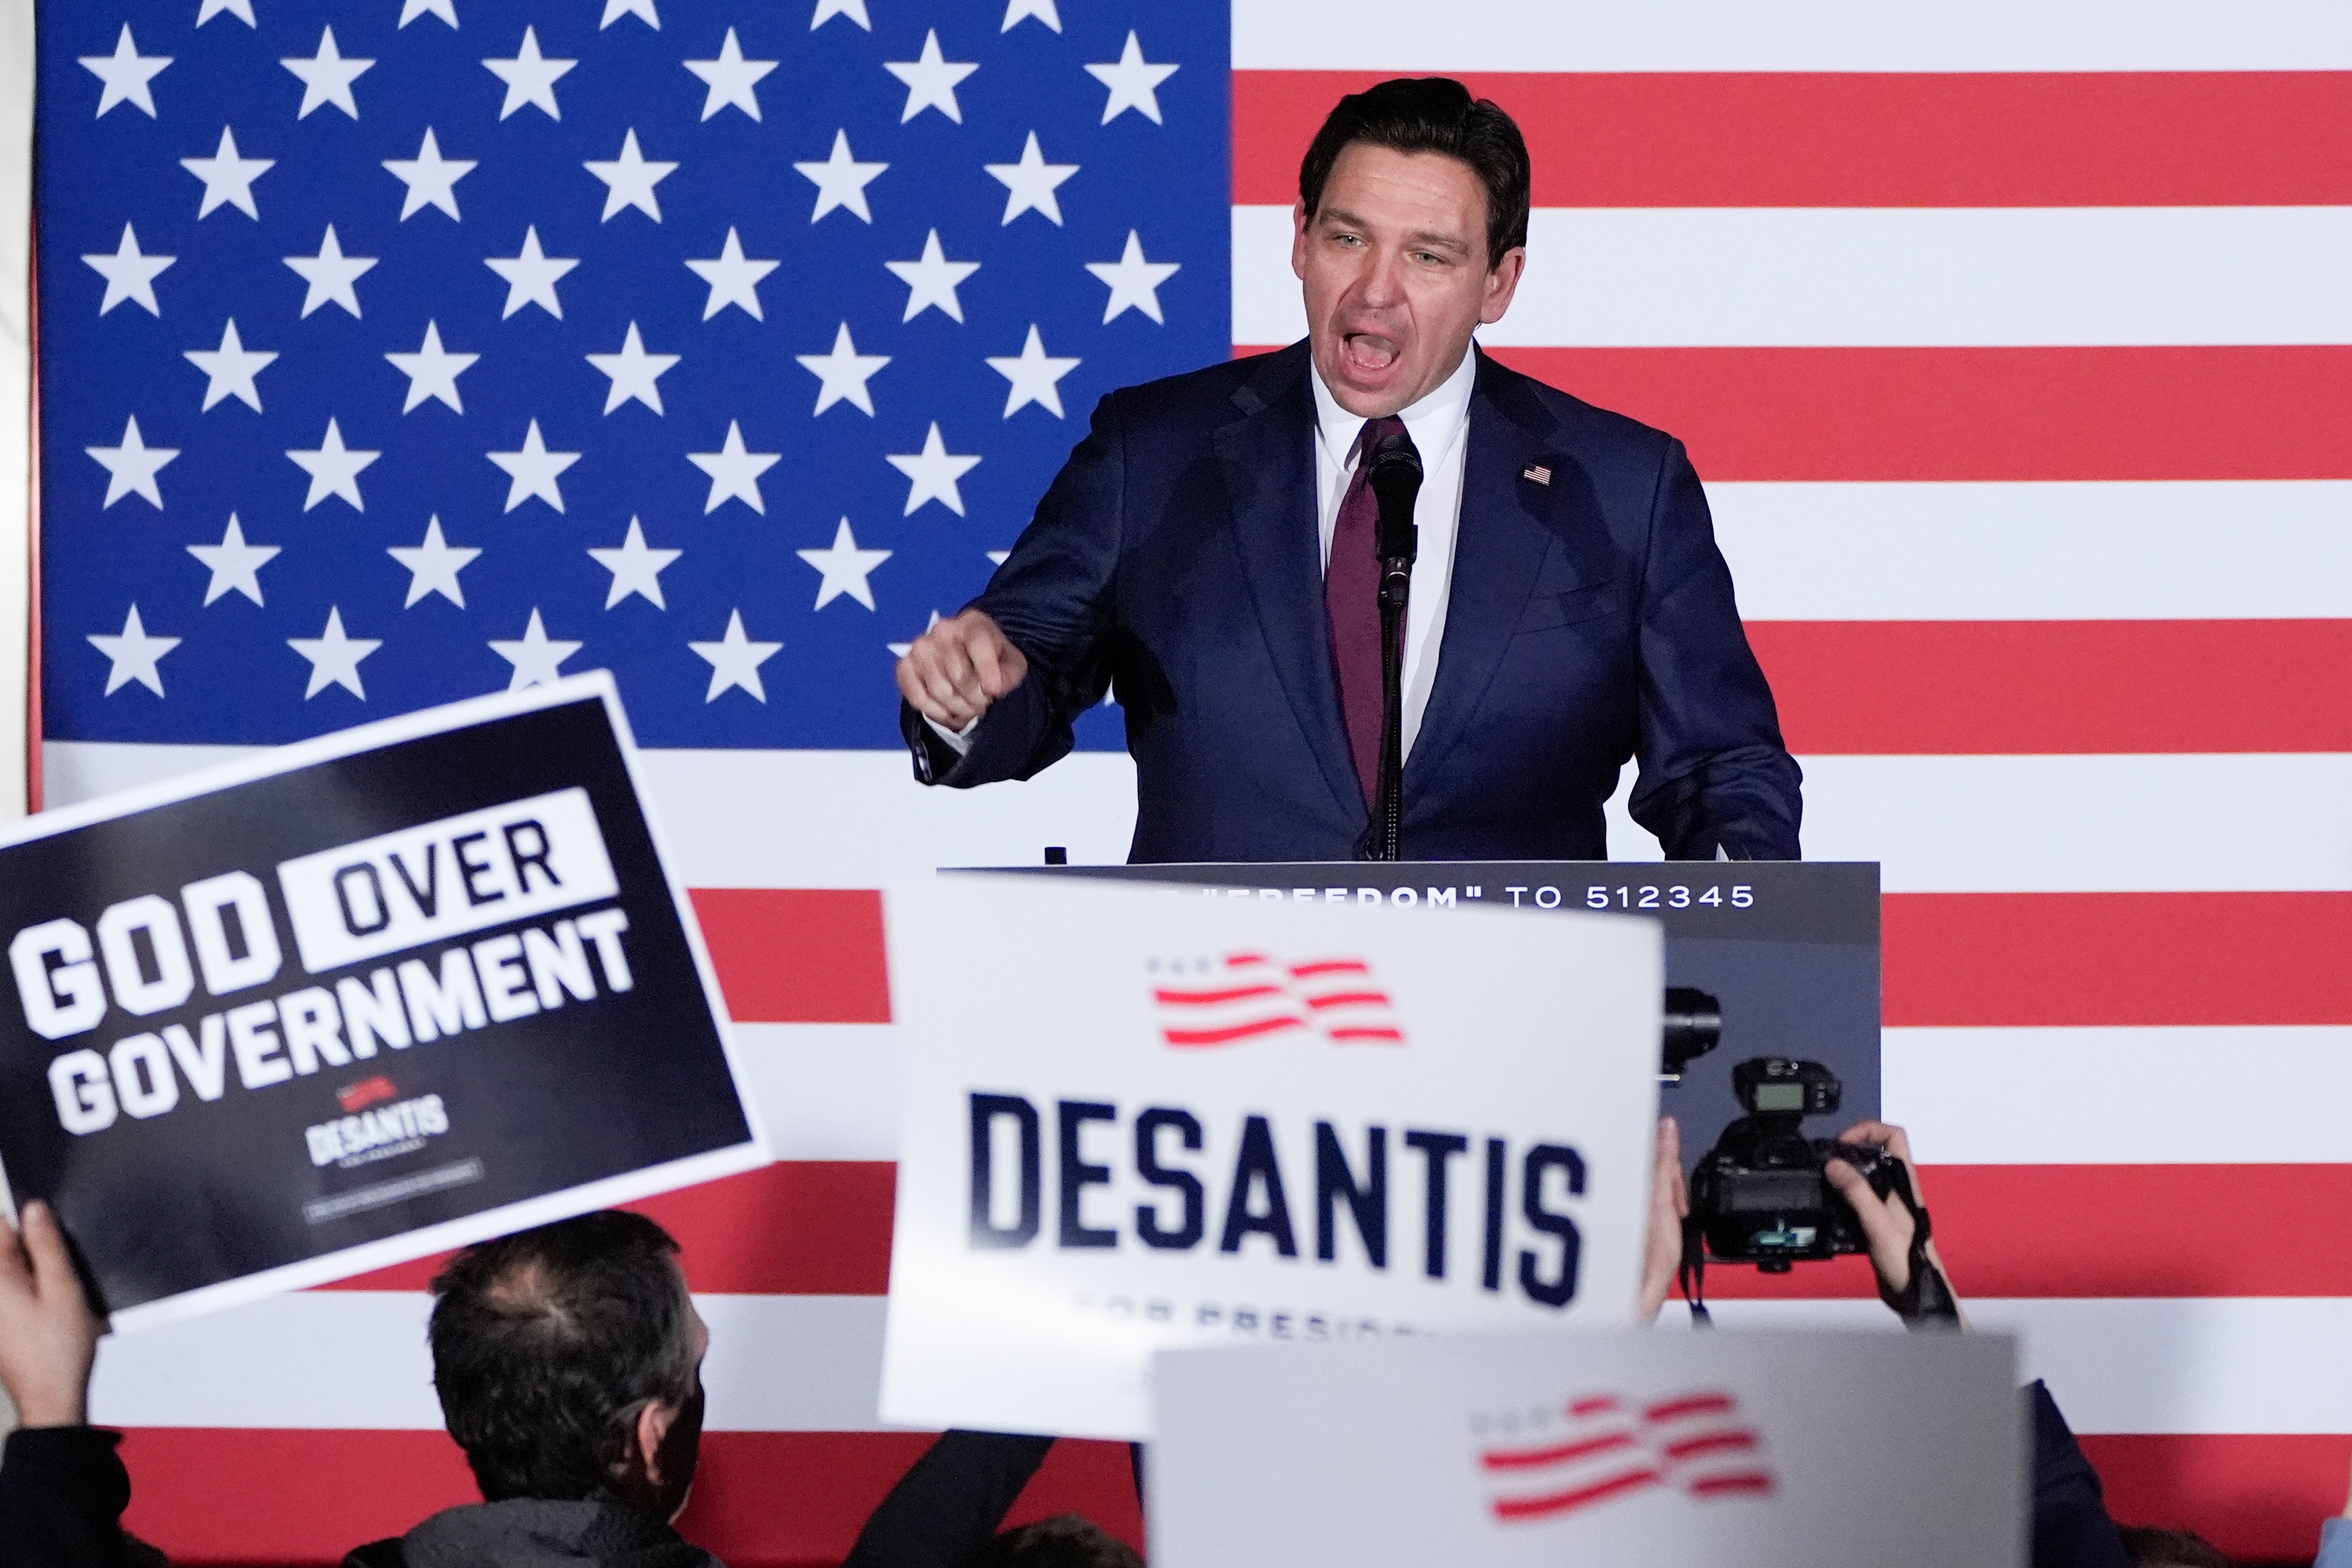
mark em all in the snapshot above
pixel 1791 947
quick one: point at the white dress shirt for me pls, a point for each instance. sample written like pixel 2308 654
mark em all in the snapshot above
pixel 1439 425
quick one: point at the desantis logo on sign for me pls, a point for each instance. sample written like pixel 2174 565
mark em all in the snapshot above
pixel 1248 996
pixel 1596 1448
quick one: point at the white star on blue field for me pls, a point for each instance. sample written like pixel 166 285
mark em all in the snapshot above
pixel 398 353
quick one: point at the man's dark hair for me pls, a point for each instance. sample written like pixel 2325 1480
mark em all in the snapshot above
pixel 1065 1540
pixel 1431 114
pixel 2153 1548
pixel 547 1344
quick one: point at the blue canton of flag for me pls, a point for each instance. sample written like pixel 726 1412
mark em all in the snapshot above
pixel 395 353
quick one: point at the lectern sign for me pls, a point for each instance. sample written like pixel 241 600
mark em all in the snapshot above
pixel 354 1001
pixel 1775 1450
pixel 1133 1121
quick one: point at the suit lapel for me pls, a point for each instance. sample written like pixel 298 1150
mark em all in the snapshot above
pixel 1268 458
pixel 1498 546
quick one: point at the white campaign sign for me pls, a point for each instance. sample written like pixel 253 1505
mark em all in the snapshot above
pixel 1769 1450
pixel 1136 1119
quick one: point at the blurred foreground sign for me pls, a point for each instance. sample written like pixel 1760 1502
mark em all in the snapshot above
pixel 355 1001
pixel 1775 1450
pixel 1134 1119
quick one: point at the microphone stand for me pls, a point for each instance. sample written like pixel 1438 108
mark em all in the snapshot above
pixel 1396 481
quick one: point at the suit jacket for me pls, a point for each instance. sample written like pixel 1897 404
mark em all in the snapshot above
pixel 1590 620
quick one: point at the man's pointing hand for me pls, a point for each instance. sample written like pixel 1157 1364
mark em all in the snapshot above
pixel 957 668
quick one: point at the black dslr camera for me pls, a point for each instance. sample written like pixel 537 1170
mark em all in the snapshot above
pixel 1758 1195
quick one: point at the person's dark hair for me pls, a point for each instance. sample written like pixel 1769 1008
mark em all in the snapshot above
pixel 1065 1540
pixel 1431 114
pixel 2153 1548
pixel 547 1344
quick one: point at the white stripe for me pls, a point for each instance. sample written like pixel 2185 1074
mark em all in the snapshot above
pixel 2191 1365
pixel 2075 824
pixel 2190 1094
pixel 1886 276
pixel 1791 36
pixel 76 771
pixel 1937 823
pixel 358 1359
pixel 2202 1094
pixel 2158 823
pixel 2218 550
pixel 2152 1096
pixel 803 1364
pixel 825 1091
pixel 777 818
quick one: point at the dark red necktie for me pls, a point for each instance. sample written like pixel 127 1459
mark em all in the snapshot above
pixel 1351 599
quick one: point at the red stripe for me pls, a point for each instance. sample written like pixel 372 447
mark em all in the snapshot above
pixel 1528 1458
pixel 2008 688
pixel 1386 1036
pixel 1350 999
pixel 2007 959
pixel 1205 998
pixel 1964 958
pixel 1330 966
pixel 1561 1502
pixel 2255 1496
pixel 814 1227
pixel 1853 413
pixel 2102 1231
pixel 798 957
pixel 802 1227
pixel 776 1498
pixel 1712 1443
pixel 1745 1483
pixel 1696 1405
pixel 762 1500
pixel 1594 1405
pixel 1237 1032
pixel 1769 139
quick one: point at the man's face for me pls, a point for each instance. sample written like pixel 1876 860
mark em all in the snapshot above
pixel 681 1445
pixel 1394 263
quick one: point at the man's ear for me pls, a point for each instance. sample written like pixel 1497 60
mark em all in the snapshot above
pixel 1298 238
pixel 645 1439
pixel 1502 283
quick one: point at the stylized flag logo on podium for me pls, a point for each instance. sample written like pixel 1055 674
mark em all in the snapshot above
pixel 1247 996
pixel 1611 1447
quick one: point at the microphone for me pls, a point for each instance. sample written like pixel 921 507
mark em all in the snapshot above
pixel 1394 477
pixel 1396 481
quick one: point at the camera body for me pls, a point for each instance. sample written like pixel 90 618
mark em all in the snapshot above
pixel 1758 1195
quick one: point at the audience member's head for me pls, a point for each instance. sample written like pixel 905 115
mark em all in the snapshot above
pixel 1065 1540
pixel 568 1360
pixel 2152 1548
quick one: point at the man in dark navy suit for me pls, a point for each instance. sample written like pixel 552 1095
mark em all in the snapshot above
pixel 1209 549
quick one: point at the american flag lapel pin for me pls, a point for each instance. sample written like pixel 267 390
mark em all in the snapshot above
pixel 1542 475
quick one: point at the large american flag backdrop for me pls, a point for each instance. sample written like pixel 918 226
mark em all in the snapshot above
pixel 394 353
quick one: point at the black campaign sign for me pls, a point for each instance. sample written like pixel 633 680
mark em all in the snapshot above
pixel 309 1022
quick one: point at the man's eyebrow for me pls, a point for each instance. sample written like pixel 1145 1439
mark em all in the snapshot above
pixel 1426 239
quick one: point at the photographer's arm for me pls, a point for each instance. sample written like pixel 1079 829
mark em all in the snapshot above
pixel 1669 1205
pixel 2336 1541
pixel 62 1489
pixel 1892 1228
pixel 2072 1528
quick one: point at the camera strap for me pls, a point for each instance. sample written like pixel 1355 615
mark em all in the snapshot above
pixel 1691 1274
pixel 1927 1301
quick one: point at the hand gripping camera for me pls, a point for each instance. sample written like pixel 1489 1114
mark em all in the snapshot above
pixel 1758 1195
